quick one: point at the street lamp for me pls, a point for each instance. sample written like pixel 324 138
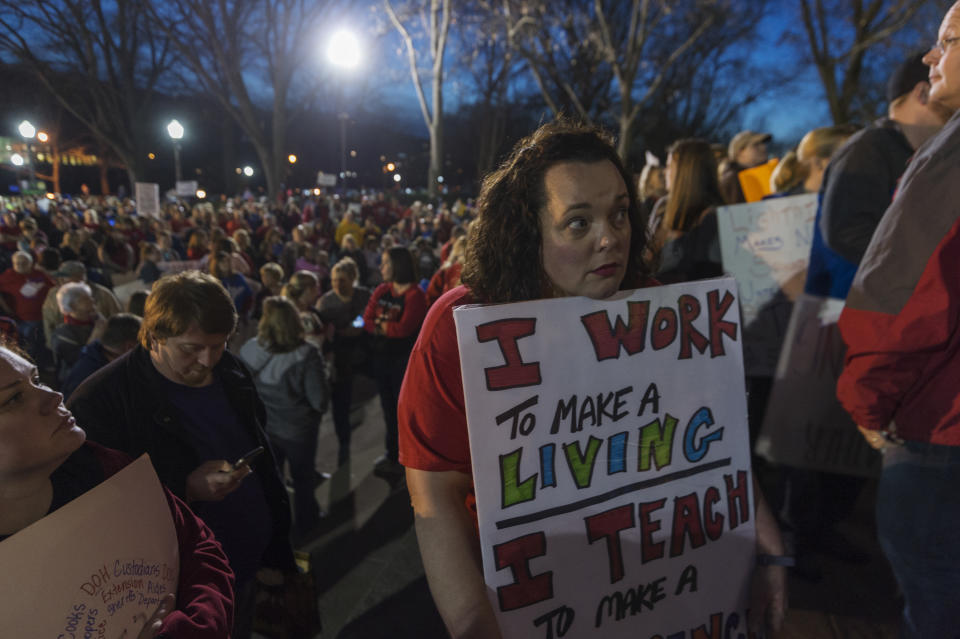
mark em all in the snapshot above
pixel 248 171
pixel 175 131
pixel 27 130
pixel 343 52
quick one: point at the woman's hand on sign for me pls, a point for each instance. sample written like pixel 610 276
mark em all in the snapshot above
pixel 152 627
pixel 874 437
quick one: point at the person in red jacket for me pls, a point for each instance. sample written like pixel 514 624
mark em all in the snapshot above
pixel 24 289
pixel 393 316
pixel 901 324
pixel 45 463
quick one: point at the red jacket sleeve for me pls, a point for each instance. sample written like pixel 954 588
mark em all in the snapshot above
pixel 205 592
pixel 903 366
pixel 414 310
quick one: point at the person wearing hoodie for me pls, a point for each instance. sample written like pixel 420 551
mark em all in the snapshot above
pixel 290 377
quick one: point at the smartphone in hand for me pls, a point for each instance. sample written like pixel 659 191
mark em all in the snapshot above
pixel 248 458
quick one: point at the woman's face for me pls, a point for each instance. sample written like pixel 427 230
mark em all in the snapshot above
pixel 37 433
pixel 310 295
pixel 341 283
pixel 586 228
pixel 386 267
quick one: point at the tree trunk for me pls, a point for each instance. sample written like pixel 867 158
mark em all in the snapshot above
pixel 436 136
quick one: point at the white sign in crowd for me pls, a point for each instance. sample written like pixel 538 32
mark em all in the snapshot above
pixel 766 247
pixel 611 463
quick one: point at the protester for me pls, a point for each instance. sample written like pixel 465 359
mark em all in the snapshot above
pixel 525 244
pixel 899 381
pixel 82 324
pixel 182 398
pixel 119 336
pixel 747 149
pixel 393 316
pixel 348 347
pixel 290 378
pixel 24 288
pixel 105 301
pixel 862 178
pixel 45 464
pixel 688 237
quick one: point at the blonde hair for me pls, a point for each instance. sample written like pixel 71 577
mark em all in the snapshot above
pixel 789 173
pixel 298 284
pixel 280 329
pixel 348 266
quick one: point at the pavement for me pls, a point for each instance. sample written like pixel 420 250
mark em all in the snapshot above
pixel 371 584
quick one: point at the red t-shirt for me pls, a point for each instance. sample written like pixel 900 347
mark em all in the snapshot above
pixel 26 293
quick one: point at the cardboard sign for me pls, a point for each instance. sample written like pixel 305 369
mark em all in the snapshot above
pixel 97 567
pixel 610 461
pixel 805 426
pixel 147 196
pixel 766 246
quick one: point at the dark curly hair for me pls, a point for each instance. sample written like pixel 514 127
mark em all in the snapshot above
pixel 504 260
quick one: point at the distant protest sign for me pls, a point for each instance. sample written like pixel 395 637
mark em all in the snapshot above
pixel 804 425
pixel 96 567
pixel 611 464
pixel 147 196
pixel 766 247
pixel 187 188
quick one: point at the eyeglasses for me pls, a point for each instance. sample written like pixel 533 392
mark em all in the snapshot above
pixel 944 44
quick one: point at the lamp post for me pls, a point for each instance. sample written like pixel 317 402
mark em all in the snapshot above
pixel 28 132
pixel 343 52
pixel 175 131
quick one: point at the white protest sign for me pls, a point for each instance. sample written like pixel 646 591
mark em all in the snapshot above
pixel 187 188
pixel 611 462
pixel 97 567
pixel 147 195
pixel 804 425
pixel 766 246
pixel 326 179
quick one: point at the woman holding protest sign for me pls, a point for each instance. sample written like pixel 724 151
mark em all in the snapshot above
pixel 556 219
pixel 45 463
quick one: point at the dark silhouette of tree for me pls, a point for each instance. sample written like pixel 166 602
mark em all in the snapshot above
pixel 100 60
pixel 247 54
pixel 837 38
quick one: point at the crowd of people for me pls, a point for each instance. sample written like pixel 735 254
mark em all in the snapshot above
pixel 214 336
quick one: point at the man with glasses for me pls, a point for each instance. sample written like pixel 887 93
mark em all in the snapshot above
pixel 902 328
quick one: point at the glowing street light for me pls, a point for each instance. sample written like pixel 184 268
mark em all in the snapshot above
pixel 248 171
pixel 16 159
pixel 391 166
pixel 201 194
pixel 292 159
pixel 42 136
pixel 27 130
pixel 343 50
pixel 396 177
pixel 175 131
